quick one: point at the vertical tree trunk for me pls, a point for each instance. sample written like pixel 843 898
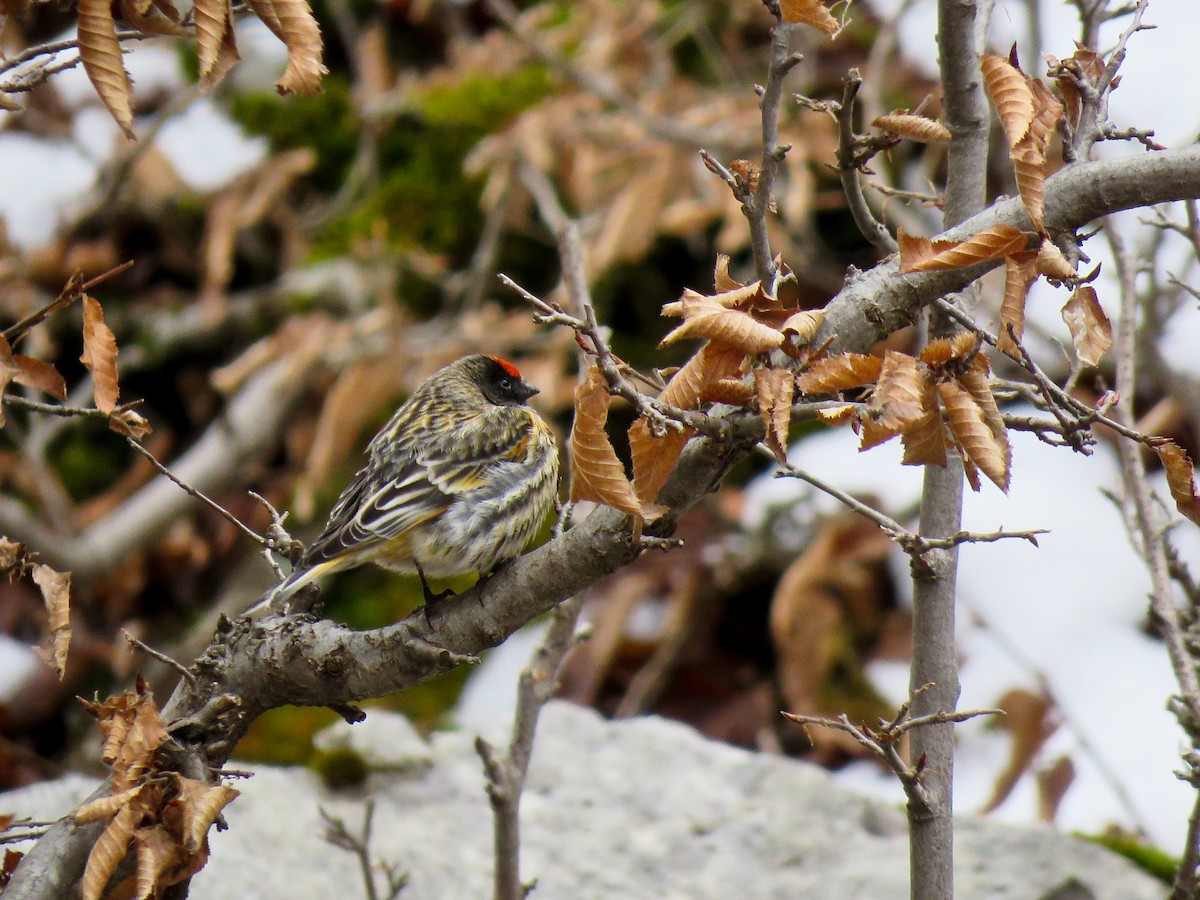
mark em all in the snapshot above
pixel 931 844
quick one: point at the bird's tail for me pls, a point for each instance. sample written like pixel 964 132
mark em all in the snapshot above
pixel 299 579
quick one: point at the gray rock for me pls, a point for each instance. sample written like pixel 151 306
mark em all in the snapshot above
pixel 643 808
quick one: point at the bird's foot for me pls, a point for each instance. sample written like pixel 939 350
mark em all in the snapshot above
pixel 430 597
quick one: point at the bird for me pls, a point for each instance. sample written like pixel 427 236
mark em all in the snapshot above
pixel 458 481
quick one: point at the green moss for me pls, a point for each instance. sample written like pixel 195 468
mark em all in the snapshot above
pixel 284 736
pixel 1151 860
pixel 423 198
pixel 341 768
pixel 89 459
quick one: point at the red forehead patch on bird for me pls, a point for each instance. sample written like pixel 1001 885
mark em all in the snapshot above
pixel 509 368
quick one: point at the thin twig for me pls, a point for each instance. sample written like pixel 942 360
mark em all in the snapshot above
pixel 360 845
pixel 192 492
pixel 872 229
pixel 161 657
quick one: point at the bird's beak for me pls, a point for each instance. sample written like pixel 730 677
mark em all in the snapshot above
pixel 527 390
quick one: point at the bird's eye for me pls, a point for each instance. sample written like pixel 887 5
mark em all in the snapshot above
pixel 506 384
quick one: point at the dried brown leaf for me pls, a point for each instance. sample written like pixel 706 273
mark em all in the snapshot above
pixel 109 850
pixel 654 458
pixel 1052 262
pixel 157 854
pixel 56 594
pixel 839 373
pixel 1030 719
pixel 915 128
pixel 693 303
pixel 838 415
pixel 1020 272
pixel 1011 95
pixel 105 807
pixel 775 388
pixel 200 803
pixel 1181 479
pixel 1029 154
pixel 596 473
pixel 990 244
pixel 809 12
pixel 1053 782
pixel 216 44
pixel 710 364
pixel 914 249
pixel 100 355
pixel 39 375
pixel 708 318
pixel 1090 328
pixel 732 391
pixel 803 324
pixel 722 282
pixel 100 53
pixel 152 18
pixel 305 68
pixel 265 10
pixel 973 434
pixel 925 439
pixel 977 381
pixel 898 392
pixel 12 555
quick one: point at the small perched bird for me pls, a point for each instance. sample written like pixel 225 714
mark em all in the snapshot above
pixel 458 481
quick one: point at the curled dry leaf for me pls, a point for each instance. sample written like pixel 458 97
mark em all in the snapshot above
pixel 977 381
pixel 152 18
pixel 976 439
pixel 803 324
pixel 305 68
pixel 1052 262
pixel 109 850
pixel 1020 272
pixel 1053 782
pixel 596 473
pixel 839 373
pixel 710 364
pixel 775 388
pixel 915 128
pixel 707 317
pixel 100 355
pixel 1011 95
pixel 12 555
pixel 732 391
pixel 100 53
pixel 898 392
pixel 990 244
pixel 914 249
pixel 722 281
pixel 28 371
pixel 216 44
pixel 200 802
pixel 654 456
pixel 56 593
pixel 157 854
pixel 105 807
pixel 1090 329
pixel 838 415
pixel 1181 479
pixel 693 303
pixel 1031 719
pixel 130 424
pixel 809 12
pixel 925 439
pixel 1029 154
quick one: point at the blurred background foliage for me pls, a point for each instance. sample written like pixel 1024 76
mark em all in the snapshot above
pixel 355 240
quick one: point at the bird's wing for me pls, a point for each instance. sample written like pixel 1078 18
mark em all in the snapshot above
pixel 417 477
